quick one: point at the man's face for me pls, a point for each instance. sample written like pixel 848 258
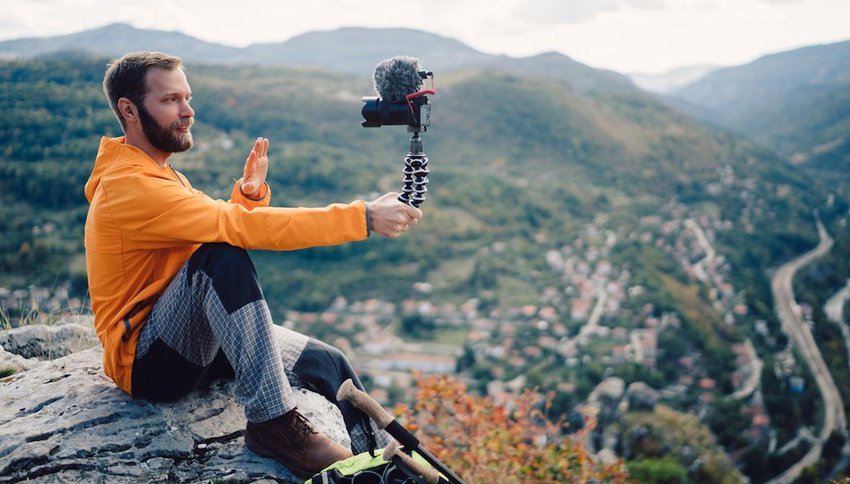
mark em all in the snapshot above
pixel 165 115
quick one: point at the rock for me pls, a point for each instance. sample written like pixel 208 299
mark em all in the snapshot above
pixel 11 361
pixel 607 456
pixel 50 342
pixel 641 397
pixel 609 390
pixel 64 420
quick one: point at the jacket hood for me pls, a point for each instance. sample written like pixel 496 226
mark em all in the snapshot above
pixel 111 154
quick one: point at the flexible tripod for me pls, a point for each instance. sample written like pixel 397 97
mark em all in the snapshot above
pixel 415 172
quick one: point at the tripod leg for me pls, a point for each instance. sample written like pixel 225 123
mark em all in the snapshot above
pixel 415 174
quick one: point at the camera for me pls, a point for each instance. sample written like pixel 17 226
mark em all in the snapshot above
pixel 400 101
pixel 414 110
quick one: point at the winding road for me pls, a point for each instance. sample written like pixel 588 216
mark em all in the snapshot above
pixel 799 333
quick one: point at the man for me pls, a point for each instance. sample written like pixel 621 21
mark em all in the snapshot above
pixel 174 293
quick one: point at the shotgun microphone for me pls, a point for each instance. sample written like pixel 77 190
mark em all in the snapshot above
pixel 397 77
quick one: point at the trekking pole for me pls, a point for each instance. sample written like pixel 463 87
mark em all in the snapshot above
pixel 363 401
pixel 430 474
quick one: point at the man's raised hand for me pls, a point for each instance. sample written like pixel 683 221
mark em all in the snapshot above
pixel 390 217
pixel 256 169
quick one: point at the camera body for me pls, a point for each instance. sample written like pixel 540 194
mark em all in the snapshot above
pixel 415 113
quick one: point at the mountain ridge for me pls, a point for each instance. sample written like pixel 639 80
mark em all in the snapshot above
pixel 795 102
pixel 354 50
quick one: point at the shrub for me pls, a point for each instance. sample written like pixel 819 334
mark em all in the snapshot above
pixel 484 441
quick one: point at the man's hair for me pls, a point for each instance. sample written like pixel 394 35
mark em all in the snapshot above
pixel 126 78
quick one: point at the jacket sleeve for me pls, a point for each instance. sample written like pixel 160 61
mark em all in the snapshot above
pixel 170 214
pixel 236 196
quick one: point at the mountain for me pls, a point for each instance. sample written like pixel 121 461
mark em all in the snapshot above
pixel 357 50
pixel 351 50
pixel 797 102
pixel 117 39
pixel 670 80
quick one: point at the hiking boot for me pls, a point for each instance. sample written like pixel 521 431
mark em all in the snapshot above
pixel 291 440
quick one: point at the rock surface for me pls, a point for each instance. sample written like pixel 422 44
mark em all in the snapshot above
pixel 50 342
pixel 641 397
pixel 63 420
pixel 609 390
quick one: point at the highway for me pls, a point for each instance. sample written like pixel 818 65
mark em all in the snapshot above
pixel 800 335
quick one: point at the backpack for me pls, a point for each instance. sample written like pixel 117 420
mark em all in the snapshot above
pixel 370 469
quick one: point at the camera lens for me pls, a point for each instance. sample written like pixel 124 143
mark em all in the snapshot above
pixel 378 112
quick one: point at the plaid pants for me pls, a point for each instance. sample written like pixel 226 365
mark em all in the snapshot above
pixel 213 322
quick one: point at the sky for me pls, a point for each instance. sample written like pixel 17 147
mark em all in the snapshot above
pixel 629 36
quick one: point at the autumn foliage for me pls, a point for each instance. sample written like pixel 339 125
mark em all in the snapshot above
pixel 487 442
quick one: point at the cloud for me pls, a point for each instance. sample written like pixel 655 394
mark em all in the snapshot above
pixel 578 11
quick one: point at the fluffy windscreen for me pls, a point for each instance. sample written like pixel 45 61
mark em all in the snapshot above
pixel 397 77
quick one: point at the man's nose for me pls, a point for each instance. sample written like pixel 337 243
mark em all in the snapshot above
pixel 186 110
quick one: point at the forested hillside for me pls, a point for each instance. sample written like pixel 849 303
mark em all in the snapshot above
pixel 511 157
pixel 795 102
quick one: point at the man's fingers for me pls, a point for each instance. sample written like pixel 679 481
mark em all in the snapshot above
pixel 261 147
pixel 252 155
pixel 399 230
pixel 414 213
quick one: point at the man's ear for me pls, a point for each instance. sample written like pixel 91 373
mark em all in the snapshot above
pixel 127 109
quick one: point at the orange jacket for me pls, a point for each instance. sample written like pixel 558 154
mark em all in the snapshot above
pixel 145 221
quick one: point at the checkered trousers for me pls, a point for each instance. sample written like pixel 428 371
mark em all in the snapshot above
pixel 212 321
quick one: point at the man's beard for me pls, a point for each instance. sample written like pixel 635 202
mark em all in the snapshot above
pixel 165 139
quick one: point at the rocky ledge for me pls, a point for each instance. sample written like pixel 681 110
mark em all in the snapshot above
pixel 62 420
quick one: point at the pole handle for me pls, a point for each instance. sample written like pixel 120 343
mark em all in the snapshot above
pixel 430 475
pixel 363 401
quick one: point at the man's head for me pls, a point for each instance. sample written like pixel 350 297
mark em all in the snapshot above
pixel 149 94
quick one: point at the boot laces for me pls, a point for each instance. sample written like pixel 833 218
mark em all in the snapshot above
pixel 298 425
